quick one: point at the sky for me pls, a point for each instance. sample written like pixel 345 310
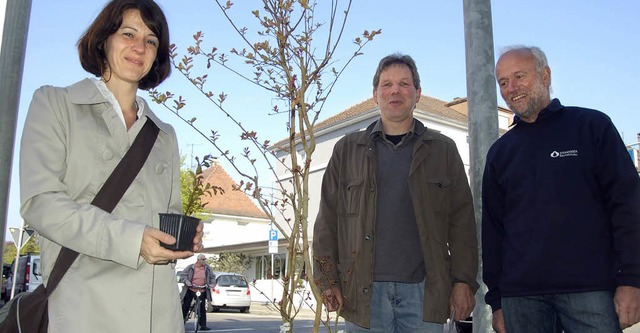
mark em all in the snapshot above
pixel 591 46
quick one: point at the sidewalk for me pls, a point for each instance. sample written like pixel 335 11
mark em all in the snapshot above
pixel 633 329
pixel 268 309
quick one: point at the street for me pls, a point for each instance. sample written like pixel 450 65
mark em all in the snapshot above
pixel 233 321
pixel 261 322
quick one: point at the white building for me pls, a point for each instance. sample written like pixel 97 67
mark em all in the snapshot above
pixel 634 152
pixel 235 223
pixel 448 118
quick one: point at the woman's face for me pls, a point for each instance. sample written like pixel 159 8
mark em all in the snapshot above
pixel 130 51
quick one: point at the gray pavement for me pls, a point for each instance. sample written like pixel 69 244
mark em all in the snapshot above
pixel 268 309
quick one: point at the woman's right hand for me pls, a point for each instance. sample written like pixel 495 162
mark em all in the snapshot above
pixel 154 253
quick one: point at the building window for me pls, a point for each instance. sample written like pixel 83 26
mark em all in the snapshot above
pixel 264 267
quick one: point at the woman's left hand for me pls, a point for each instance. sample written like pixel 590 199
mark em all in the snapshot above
pixel 154 253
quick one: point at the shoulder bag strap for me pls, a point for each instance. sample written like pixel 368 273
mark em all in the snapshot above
pixel 111 192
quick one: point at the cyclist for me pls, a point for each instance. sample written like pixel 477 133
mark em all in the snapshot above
pixel 195 275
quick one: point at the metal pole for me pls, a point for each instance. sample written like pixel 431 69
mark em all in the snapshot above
pixel 483 121
pixel 16 262
pixel 14 44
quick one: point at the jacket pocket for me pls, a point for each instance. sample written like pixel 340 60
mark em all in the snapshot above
pixel 350 194
pixel 440 183
pixel 438 193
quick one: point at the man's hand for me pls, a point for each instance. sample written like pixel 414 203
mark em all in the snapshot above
pixel 332 299
pixel 627 302
pixel 154 253
pixel 498 322
pixel 462 300
pixel 197 240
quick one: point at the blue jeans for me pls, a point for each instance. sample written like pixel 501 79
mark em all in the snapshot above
pixel 584 312
pixel 396 308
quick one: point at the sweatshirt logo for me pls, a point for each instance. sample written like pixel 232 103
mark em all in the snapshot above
pixel 566 153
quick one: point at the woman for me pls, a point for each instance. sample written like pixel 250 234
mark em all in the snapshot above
pixel 73 138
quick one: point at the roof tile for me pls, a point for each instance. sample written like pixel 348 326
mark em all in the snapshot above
pixel 232 202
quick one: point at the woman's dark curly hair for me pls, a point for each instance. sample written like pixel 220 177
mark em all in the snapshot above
pixel 91 46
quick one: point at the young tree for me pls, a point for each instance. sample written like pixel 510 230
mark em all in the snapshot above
pixel 193 187
pixel 10 249
pixel 290 56
pixel 230 262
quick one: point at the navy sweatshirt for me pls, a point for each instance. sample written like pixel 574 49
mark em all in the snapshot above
pixel 561 207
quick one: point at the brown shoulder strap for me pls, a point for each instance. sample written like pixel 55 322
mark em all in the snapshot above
pixel 111 192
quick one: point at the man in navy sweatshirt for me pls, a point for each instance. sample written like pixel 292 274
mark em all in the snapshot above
pixel 561 212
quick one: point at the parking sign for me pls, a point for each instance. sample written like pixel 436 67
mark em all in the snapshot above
pixel 273 241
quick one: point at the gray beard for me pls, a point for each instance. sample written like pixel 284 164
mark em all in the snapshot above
pixel 535 104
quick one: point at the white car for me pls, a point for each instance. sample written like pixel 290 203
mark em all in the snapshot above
pixel 231 292
pixel 29 276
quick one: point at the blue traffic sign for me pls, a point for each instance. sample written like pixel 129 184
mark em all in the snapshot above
pixel 273 235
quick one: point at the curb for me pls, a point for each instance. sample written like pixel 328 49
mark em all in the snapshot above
pixel 268 309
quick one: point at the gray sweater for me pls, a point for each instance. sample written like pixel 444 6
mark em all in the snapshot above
pixel 398 255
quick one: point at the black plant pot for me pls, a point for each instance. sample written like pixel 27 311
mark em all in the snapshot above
pixel 182 227
pixel 465 326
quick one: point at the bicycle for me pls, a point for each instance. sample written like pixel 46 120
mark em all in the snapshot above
pixel 194 309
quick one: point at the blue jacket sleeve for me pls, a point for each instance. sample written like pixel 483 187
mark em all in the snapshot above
pixel 620 185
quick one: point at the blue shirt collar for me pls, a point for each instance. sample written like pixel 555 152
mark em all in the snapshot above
pixel 548 111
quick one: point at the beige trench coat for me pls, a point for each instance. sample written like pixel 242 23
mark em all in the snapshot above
pixel 71 142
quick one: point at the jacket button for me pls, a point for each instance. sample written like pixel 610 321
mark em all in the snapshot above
pixel 107 155
pixel 160 167
pixel 365 290
pixel 367 237
pixel 372 190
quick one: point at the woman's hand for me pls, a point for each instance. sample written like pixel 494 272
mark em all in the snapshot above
pixel 154 253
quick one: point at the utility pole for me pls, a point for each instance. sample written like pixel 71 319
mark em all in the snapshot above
pixel 192 156
pixel 14 44
pixel 483 122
